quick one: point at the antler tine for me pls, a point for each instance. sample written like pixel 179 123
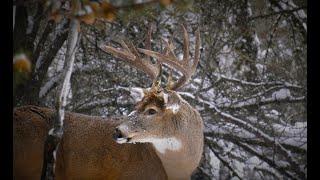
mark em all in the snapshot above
pixel 157 80
pixel 191 70
pixel 183 66
pixel 169 47
pixel 148 38
pixel 130 55
pixel 185 44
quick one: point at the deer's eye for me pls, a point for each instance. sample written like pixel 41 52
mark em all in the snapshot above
pixel 151 111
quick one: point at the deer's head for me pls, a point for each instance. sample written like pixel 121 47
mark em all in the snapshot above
pixel 162 117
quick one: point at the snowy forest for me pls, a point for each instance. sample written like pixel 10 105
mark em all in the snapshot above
pixel 250 85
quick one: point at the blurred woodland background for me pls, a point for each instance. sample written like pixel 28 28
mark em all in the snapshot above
pixel 250 85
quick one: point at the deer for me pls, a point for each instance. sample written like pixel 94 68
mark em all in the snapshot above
pixel 162 138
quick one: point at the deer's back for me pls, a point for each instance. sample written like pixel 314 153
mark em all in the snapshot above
pixel 87 150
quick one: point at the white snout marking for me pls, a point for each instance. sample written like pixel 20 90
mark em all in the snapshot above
pixel 121 140
pixel 163 144
pixel 123 128
pixel 174 107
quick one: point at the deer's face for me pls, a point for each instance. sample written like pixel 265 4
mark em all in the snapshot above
pixel 156 117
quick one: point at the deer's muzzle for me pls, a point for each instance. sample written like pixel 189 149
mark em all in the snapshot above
pixel 121 136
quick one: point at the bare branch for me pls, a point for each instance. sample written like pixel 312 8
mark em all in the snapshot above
pixel 273 83
pixel 243 124
pixel 223 160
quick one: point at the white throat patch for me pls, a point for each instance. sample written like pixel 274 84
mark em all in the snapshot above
pixel 163 144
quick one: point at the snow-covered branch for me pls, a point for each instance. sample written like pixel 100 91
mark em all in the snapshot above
pixel 260 134
pixel 270 162
pixel 224 160
pixel 46 88
pixel 136 94
pixel 253 141
pixel 242 82
pixel 263 101
pixel 68 66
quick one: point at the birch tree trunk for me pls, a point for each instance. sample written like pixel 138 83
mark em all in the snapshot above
pixel 55 134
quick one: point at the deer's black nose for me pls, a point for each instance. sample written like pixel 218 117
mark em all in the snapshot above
pixel 117 134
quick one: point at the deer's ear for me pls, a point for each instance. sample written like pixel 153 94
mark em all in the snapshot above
pixel 165 98
pixel 173 102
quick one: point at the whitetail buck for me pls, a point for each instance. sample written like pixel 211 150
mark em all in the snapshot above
pixel 161 139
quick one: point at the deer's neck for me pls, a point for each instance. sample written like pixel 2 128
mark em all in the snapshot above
pixel 178 157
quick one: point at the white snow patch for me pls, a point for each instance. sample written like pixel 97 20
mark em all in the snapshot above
pixel 252 162
pixel 225 49
pixel 301 124
pixel 136 93
pixel 88 9
pixel 288 52
pixel 283 24
pixel 252 118
pixel 132 113
pixel 260 67
pixel 51 131
pixel 281 94
pixel 275 112
pixel 197 80
pixel 215 164
pixel 135 29
pixel 256 39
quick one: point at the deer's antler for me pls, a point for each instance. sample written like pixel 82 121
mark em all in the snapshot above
pixel 130 54
pixel 185 66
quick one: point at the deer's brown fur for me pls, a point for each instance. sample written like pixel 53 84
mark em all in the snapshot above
pixel 87 150
pixel 185 125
